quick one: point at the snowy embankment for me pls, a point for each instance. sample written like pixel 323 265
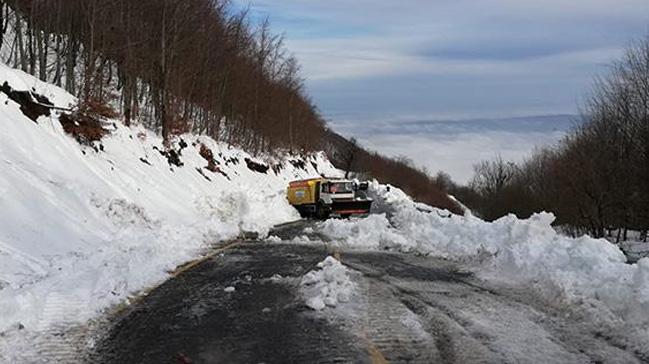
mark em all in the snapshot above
pixel 81 229
pixel 591 274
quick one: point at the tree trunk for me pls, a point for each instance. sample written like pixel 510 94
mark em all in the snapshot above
pixel 59 65
pixel 2 28
pixel 163 77
pixel 70 65
pixel 32 55
pixel 42 40
pixel 20 45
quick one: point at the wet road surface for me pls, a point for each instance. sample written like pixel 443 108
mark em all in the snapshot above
pixel 407 309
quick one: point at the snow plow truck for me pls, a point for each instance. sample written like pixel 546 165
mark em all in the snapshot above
pixel 322 197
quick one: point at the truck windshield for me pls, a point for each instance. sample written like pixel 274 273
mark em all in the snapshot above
pixel 339 187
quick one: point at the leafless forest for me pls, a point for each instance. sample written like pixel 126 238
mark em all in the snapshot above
pixel 596 179
pixel 178 66
pixel 175 65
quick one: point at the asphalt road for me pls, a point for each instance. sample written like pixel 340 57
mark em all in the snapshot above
pixel 407 309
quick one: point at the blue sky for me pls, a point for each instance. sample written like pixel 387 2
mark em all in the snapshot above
pixel 377 61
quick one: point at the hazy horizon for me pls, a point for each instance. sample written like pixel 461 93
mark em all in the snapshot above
pixel 454 146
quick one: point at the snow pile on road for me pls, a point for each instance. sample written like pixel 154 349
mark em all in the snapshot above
pixel 590 272
pixel 328 286
pixel 81 229
pixel 373 233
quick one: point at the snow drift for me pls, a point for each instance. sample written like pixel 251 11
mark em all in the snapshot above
pixel 584 272
pixel 82 229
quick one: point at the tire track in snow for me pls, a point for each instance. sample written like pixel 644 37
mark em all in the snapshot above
pixel 473 323
pixel 55 342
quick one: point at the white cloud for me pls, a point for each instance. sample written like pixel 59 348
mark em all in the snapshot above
pixel 367 37
pixel 373 56
pixel 391 12
pixel 545 53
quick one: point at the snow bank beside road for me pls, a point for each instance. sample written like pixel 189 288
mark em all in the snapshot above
pixel 590 272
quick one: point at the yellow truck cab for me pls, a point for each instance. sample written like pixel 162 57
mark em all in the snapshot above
pixel 322 197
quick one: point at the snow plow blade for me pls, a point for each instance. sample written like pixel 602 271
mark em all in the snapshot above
pixel 361 207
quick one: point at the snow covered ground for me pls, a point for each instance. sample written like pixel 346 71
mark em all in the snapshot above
pixel 81 230
pixel 592 275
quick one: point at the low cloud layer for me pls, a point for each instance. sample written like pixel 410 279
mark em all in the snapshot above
pixel 455 146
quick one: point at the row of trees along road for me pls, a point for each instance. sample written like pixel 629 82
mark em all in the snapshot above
pixel 177 66
pixel 596 179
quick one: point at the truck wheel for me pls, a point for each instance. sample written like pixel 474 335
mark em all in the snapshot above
pixel 321 212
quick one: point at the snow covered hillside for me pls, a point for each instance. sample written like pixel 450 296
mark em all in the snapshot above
pixel 89 227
